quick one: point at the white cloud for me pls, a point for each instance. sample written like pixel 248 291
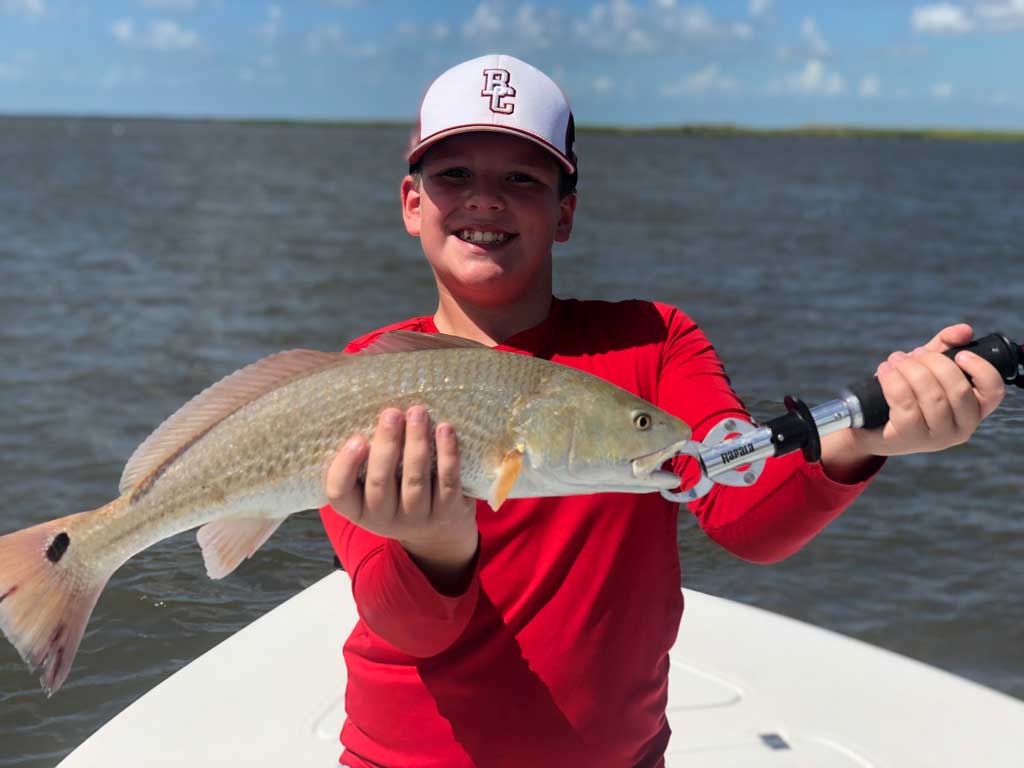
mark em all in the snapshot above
pixel 527 26
pixel 742 31
pixel 332 38
pixel 704 80
pixel 943 18
pixel 540 28
pixel 123 30
pixel 271 28
pixel 602 84
pixel 957 19
pixel 620 26
pixel 639 41
pixel 1002 14
pixel 166 35
pixel 485 21
pixel 815 78
pixel 941 91
pixel 759 7
pixel 345 3
pixel 693 21
pixel 32 9
pixel 171 6
pixel 325 38
pixel 159 35
pixel 869 87
pixel 812 36
pixel 440 31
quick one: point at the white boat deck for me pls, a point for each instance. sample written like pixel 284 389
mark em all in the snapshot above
pixel 747 688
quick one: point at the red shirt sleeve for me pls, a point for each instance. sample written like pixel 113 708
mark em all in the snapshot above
pixel 392 595
pixel 790 503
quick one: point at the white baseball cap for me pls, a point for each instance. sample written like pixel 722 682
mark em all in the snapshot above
pixel 497 93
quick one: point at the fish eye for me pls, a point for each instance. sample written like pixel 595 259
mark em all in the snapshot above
pixel 642 421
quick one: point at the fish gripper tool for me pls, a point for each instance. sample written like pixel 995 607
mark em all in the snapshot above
pixel 734 451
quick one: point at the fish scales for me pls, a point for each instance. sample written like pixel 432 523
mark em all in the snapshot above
pixel 284 439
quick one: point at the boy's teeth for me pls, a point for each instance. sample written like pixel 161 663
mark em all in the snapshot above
pixel 473 236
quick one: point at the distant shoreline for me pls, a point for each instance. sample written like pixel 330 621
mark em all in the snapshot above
pixel 683 129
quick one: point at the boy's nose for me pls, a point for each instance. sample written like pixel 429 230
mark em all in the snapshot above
pixel 483 197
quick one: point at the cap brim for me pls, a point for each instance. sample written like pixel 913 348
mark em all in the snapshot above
pixel 419 149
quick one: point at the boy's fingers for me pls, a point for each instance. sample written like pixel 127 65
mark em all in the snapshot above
pixel 950 336
pixel 448 489
pixel 341 483
pixel 989 387
pixel 904 413
pixel 957 391
pixel 932 401
pixel 416 463
pixel 381 492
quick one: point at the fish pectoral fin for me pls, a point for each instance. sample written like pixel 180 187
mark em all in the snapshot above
pixel 226 543
pixel 508 471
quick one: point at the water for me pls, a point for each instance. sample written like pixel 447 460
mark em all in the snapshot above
pixel 141 261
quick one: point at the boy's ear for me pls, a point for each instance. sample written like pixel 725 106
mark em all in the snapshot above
pixel 411 206
pixel 564 227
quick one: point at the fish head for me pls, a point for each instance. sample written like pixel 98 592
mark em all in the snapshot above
pixel 595 437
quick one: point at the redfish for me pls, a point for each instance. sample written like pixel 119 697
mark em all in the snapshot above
pixel 253 449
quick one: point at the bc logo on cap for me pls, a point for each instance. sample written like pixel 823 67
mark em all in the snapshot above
pixel 496 86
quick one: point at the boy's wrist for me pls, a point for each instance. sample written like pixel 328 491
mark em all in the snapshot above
pixel 447 563
pixel 845 460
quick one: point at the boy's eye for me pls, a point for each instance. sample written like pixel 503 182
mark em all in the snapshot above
pixel 521 178
pixel 454 173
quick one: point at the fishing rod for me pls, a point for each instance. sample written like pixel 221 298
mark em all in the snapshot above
pixel 734 451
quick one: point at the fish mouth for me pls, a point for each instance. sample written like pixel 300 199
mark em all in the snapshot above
pixel 647 468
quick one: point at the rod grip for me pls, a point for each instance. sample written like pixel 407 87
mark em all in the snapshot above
pixel 1003 354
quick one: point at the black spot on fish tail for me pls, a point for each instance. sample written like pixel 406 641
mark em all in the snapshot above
pixel 8 593
pixel 58 547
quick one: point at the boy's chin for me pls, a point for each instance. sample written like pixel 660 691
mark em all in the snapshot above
pixel 485 286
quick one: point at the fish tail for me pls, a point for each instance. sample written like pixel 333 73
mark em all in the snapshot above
pixel 47 593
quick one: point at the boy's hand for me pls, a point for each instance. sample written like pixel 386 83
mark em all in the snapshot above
pixel 932 405
pixel 433 521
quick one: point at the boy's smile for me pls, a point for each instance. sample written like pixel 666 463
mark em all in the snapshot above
pixel 483 237
pixel 487 211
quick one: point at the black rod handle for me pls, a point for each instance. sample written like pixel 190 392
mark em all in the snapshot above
pixel 1002 353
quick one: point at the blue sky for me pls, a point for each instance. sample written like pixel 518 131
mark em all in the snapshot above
pixel 638 62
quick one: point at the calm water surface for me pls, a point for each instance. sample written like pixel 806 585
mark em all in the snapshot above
pixel 140 261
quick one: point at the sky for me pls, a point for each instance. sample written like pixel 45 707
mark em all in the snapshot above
pixel 622 62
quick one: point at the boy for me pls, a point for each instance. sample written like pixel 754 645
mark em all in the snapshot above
pixel 540 636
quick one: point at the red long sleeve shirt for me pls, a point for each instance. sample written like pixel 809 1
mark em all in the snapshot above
pixel 557 653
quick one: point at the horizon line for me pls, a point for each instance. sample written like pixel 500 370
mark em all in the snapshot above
pixel 695 127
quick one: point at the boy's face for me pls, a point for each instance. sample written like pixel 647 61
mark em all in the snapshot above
pixel 487 213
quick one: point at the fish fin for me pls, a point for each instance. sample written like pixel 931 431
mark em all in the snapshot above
pixel 226 543
pixel 47 595
pixel 217 402
pixel 413 341
pixel 508 471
